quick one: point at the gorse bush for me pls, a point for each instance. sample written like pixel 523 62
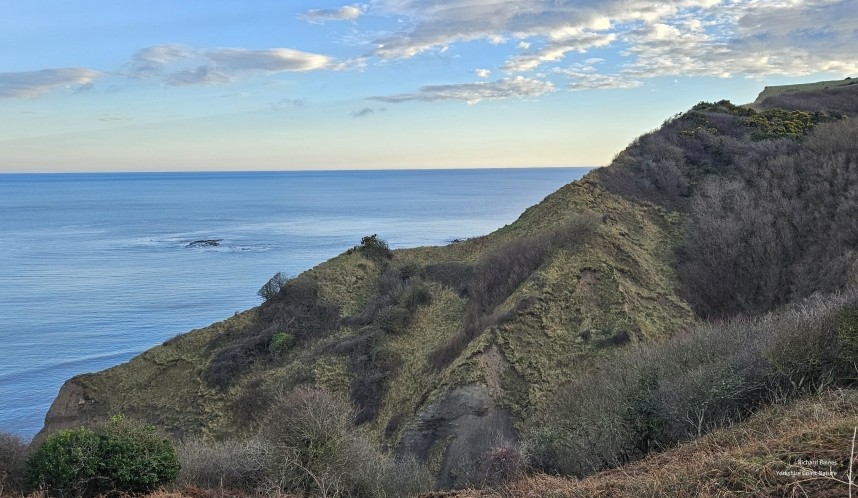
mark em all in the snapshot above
pixel 280 342
pixel 118 456
pixel 653 395
pixel 13 455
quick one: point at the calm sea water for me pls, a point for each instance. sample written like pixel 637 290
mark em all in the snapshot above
pixel 95 268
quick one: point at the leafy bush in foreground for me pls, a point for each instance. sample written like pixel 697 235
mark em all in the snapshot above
pixel 119 456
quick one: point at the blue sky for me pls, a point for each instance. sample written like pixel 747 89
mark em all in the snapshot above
pixel 125 85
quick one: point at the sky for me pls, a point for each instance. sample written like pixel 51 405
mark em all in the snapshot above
pixel 166 85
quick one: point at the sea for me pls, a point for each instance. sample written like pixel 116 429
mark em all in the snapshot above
pixel 96 268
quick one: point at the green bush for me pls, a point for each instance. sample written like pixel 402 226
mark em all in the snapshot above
pixel 280 342
pixel 119 456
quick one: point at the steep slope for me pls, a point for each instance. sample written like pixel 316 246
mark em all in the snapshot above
pixel 609 284
pixel 448 351
pixel 803 449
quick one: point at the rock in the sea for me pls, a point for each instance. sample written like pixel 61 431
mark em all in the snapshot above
pixel 205 243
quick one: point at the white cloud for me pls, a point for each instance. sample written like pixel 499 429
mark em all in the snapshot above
pixel 555 51
pixel 517 87
pixel 432 24
pixel 754 38
pixel 346 13
pixel 34 83
pixel 483 73
pixel 178 65
pixel 272 60
pixel 750 39
pixel 586 77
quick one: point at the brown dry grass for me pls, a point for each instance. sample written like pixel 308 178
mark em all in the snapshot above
pixel 743 460
pixel 174 493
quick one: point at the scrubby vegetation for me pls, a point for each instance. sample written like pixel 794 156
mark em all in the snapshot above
pixel 831 99
pixel 293 315
pixel 115 457
pixel 497 276
pixel 306 445
pixel 779 229
pixel 708 274
pixel 652 396
pixel 13 455
pixel 770 218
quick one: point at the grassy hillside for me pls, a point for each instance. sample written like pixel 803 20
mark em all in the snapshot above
pixel 627 312
pixel 773 91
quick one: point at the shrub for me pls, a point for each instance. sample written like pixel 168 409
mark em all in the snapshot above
pixel 272 288
pixel 505 462
pixel 67 463
pixel 280 342
pixel 119 456
pixel 227 365
pixel 779 229
pixel 392 319
pixel 841 99
pixel 375 248
pixel 651 396
pixel 13 455
pixel 231 464
pixel 317 450
pixel 297 308
pixel 453 274
pixel 372 363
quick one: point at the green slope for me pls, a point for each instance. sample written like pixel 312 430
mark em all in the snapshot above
pixel 445 349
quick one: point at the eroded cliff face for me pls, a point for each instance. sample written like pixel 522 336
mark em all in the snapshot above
pixel 613 286
pixel 455 433
pixel 73 407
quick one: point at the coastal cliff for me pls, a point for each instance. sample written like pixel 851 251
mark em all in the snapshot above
pixel 444 351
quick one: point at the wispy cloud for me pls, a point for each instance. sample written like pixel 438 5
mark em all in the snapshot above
pixel 367 111
pixel 273 60
pixel 346 13
pixel 556 50
pixel 517 87
pixel 483 73
pixel 178 65
pixel 115 117
pixel 286 104
pixel 585 76
pixel 34 83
